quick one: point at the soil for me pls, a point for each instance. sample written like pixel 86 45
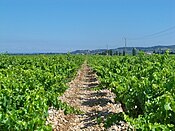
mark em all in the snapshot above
pixel 92 103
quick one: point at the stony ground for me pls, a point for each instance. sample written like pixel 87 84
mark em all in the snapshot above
pixel 93 104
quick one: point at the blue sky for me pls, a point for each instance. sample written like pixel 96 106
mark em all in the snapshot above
pixel 66 25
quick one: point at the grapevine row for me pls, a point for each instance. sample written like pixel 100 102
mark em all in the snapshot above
pixel 29 85
pixel 144 84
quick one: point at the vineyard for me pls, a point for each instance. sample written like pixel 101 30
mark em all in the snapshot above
pixel 29 85
pixel 144 86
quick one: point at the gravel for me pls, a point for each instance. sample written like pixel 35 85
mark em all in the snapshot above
pixel 93 104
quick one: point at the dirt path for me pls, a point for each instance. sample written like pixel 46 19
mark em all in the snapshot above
pixel 93 104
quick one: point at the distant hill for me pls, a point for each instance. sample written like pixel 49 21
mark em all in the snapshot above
pixel 158 48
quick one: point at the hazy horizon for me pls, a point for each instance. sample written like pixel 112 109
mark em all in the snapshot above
pixel 30 26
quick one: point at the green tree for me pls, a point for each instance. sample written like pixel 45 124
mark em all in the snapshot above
pixel 134 51
pixel 154 51
pixel 116 53
pixel 124 53
pixel 110 52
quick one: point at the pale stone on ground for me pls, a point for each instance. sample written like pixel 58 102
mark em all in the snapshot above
pixel 93 104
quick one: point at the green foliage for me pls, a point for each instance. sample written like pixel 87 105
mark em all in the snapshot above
pixel 145 85
pixel 31 84
pixel 134 51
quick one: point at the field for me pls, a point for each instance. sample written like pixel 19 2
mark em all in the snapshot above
pixel 145 86
pixel 102 92
pixel 29 85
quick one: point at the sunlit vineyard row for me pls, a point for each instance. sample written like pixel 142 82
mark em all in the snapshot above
pixel 29 85
pixel 144 84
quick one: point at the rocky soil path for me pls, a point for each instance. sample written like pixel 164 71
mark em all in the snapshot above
pixel 93 104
